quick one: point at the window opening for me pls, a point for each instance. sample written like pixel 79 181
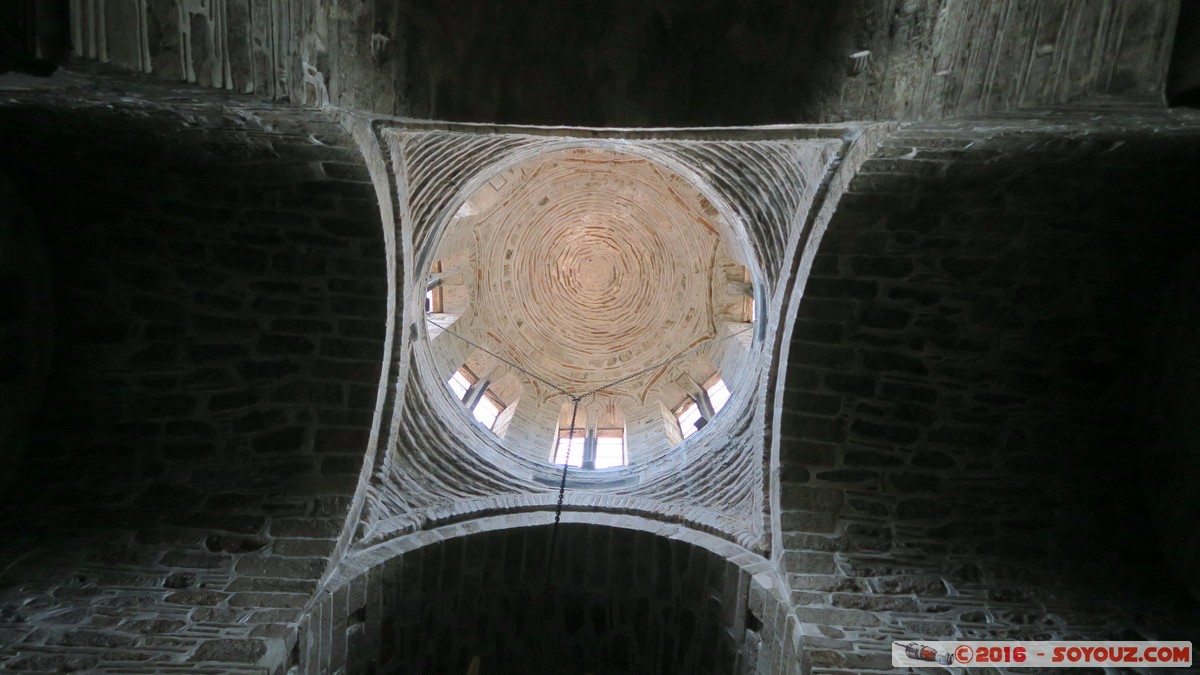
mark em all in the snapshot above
pixel 433 294
pixel 610 448
pixel 461 381
pixel 488 410
pixel 718 393
pixel 688 415
pixel 748 301
pixel 575 444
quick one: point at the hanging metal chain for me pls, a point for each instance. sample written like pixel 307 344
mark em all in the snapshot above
pixel 562 486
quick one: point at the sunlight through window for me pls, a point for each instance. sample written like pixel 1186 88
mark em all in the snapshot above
pixel 610 448
pixel 488 409
pixel 461 381
pixel 570 450
pixel 688 416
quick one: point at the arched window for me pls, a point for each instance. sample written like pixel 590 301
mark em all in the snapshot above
pixel 433 290
pixel 748 297
pixel 446 296
pixel 485 406
pixel 597 441
pixel 610 448
pixel 697 409
pixel 688 416
pixel 718 393
pixel 488 409
pixel 461 381
pixel 569 441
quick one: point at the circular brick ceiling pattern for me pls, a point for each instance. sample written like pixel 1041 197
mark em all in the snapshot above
pixel 591 266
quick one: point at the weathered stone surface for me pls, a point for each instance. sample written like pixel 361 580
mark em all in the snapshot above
pixel 226 544
pixel 196 597
pixel 164 288
pixel 964 339
pixel 234 651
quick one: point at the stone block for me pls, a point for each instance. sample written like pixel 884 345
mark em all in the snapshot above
pixel 887 318
pixel 283 568
pixel 915 482
pixel 318 528
pixel 921 508
pixel 267 369
pixel 891 433
pixel 886 267
pixel 836 617
pixel 819 404
pixel 285 345
pixel 344 465
pixel 227 544
pixel 911 584
pixel 805 498
pixel 233 400
pixel 807 453
pixel 291 439
pixel 808 427
pixel 338 348
pixel 894 361
pixel 838 288
pixel 870 458
pixel 193 560
pixel 859 385
pixel 196 596
pixel 823 332
pixel 224 650
pixel 260 420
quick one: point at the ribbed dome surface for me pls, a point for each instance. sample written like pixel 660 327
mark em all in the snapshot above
pixel 593 266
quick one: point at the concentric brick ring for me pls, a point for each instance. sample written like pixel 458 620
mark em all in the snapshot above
pixel 596 265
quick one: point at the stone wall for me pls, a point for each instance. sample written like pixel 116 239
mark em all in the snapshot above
pixel 625 595
pixel 661 63
pixel 963 450
pixel 930 60
pixel 26 326
pixel 219 294
pixel 1171 385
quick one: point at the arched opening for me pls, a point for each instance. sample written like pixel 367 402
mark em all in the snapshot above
pixel 510 595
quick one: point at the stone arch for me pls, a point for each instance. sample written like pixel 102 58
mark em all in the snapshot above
pixel 433 600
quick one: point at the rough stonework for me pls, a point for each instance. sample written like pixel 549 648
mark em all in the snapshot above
pixel 964 412
pixel 217 302
pixel 620 594
pixel 638 63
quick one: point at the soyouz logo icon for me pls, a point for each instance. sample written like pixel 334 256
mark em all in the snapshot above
pixel 1053 654
pixel 920 652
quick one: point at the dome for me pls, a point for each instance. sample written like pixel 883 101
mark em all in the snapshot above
pixel 596 274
